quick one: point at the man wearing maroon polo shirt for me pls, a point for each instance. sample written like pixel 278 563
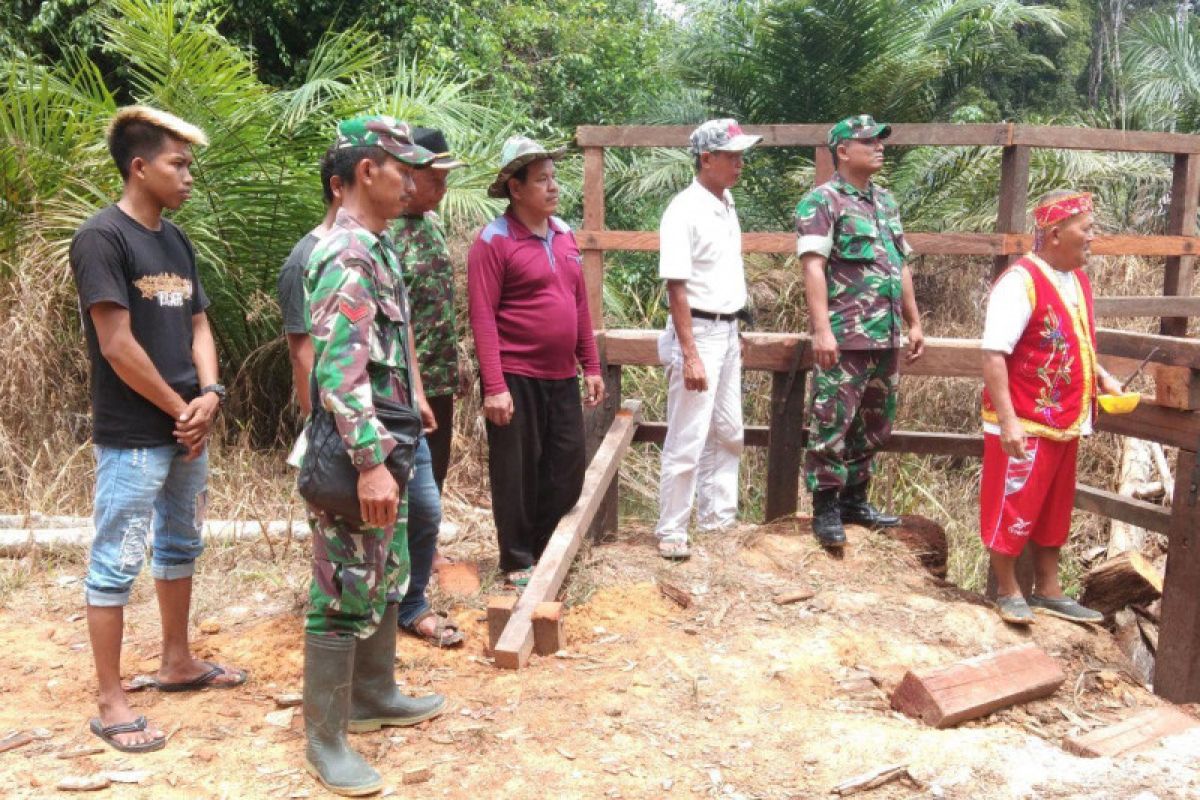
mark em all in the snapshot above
pixel 532 329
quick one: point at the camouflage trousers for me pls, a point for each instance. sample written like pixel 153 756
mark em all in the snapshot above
pixel 851 410
pixel 356 572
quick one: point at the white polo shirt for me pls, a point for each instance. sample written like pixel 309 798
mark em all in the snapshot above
pixel 700 241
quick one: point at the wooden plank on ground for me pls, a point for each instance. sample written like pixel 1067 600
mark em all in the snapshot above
pixel 1126 580
pixel 515 644
pixel 1140 732
pixel 1177 670
pixel 945 696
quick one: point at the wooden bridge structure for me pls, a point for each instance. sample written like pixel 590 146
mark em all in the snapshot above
pixel 1170 417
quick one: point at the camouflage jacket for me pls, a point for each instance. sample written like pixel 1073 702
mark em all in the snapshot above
pixel 359 326
pixel 861 237
pixel 429 276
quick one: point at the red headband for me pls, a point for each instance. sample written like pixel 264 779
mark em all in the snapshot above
pixel 1062 208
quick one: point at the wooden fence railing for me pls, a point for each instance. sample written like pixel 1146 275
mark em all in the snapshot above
pixel 1169 417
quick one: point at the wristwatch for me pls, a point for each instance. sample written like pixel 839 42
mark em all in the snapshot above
pixel 216 389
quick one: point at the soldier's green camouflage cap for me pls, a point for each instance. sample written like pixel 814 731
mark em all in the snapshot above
pixel 388 133
pixel 862 126
pixel 516 153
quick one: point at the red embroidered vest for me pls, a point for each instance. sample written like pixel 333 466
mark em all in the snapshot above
pixel 1052 369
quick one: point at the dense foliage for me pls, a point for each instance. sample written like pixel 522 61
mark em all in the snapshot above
pixel 268 78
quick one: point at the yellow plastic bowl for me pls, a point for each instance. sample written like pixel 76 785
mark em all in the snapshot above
pixel 1119 403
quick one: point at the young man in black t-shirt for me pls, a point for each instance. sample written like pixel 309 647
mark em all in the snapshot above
pixel 154 397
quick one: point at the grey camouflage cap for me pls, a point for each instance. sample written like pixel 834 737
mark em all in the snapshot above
pixel 721 134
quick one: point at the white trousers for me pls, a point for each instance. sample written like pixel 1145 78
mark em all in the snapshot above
pixel 704 433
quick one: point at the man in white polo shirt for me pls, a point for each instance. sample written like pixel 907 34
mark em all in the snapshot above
pixel 701 261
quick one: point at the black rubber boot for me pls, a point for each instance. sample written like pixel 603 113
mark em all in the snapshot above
pixel 328 672
pixel 857 511
pixel 827 519
pixel 375 699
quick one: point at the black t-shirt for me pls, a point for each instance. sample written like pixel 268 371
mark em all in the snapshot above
pixel 291 285
pixel 152 274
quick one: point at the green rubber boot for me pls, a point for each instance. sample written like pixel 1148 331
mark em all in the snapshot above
pixel 375 699
pixel 328 672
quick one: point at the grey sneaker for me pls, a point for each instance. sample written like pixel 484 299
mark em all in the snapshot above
pixel 1066 608
pixel 1014 609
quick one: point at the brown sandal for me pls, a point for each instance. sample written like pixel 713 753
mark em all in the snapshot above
pixel 445 633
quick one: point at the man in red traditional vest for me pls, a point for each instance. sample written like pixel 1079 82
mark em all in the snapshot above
pixel 1040 378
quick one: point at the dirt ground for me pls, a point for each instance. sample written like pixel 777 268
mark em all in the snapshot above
pixel 734 697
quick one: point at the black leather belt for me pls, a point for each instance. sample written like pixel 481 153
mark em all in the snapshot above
pixel 697 314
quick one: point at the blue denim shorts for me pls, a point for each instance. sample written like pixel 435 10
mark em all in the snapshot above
pixel 137 490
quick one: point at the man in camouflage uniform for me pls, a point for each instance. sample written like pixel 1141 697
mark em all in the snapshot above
pixel 429 278
pixel 362 347
pixel 852 249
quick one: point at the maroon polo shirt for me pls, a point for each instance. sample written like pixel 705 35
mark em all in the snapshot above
pixel 528 304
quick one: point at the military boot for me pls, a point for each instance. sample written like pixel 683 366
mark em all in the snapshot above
pixel 856 510
pixel 827 518
pixel 375 701
pixel 328 673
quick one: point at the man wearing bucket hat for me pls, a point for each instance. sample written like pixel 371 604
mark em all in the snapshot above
pixel 1040 378
pixel 429 278
pixel 363 351
pixel 858 286
pixel 700 258
pixel 533 331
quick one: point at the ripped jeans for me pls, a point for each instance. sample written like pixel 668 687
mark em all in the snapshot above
pixel 139 490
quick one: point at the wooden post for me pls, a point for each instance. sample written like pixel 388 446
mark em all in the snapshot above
pixel 822 165
pixel 593 220
pixel 1010 218
pixel 1014 194
pixel 785 448
pixel 1177 669
pixel 1181 221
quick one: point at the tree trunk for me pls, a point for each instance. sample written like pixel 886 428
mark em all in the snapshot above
pixel 1129 579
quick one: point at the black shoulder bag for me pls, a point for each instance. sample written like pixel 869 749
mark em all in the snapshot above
pixel 328 479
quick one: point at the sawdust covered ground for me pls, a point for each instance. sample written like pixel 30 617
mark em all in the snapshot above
pixel 734 696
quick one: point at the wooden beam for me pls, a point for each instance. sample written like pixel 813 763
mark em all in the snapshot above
pixel 593 218
pixel 1014 191
pixel 785 448
pixel 515 644
pixel 1130 344
pixel 1150 516
pixel 1181 220
pixel 1156 424
pixel 656 433
pixel 1147 307
pixel 910 134
pixel 773 352
pixel 1064 137
pixel 1177 667
pixel 928 244
pixel 927 443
